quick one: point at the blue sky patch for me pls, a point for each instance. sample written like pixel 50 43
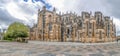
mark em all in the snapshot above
pixel 48 6
pixel 26 0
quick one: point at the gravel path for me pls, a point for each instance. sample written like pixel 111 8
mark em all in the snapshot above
pixel 37 48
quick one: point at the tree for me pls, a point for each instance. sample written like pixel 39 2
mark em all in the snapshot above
pixel 16 30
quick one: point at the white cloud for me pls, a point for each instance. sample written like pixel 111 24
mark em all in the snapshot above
pixel 79 5
pixel 0 27
pixel 64 5
pixel 15 11
pixel 1 7
pixel 25 11
pixel 3 26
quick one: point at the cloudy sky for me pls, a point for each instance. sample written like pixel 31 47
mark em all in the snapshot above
pixel 25 11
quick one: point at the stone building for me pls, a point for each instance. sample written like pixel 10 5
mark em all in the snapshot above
pixel 52 26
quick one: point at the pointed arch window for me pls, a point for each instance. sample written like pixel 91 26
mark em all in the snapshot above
pixel 44 20
pixel 50 26
pixel 87 28
pixel 100 34
pixel 93 28
pixel 50 17
pixel 90 25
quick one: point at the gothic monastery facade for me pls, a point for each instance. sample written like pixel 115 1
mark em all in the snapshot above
pixel 52 26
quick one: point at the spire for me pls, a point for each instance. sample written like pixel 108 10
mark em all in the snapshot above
pixel 67 12
pixel 70 12
pixel 54 9
pixel 38 10
pixel 60 13
pixel 44 8
pixel 90 12
pixel 74 13
pixel 112 19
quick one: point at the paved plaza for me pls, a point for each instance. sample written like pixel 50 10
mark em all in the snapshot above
pixel 37 48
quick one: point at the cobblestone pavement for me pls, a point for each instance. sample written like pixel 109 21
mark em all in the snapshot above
pixel 58 49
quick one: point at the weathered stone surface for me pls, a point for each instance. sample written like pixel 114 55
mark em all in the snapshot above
pixel 86 28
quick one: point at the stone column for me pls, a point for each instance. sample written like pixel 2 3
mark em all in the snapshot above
pixel 65 37
pixel 73 37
